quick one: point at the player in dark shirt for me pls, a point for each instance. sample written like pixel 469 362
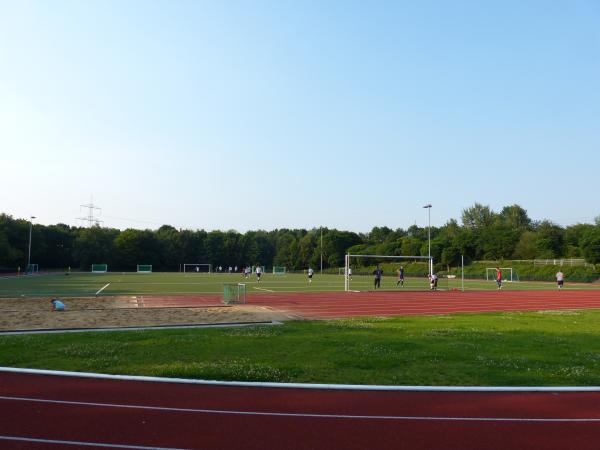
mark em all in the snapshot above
pixel 400 277
pixel 377 272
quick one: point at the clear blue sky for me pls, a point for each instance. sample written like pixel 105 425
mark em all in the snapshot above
pixel 270 114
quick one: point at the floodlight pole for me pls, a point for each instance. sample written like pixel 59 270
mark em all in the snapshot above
pixel 29 253
pixel 321 250
pixel 428 206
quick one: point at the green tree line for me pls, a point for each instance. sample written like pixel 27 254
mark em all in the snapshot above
pixel 482 234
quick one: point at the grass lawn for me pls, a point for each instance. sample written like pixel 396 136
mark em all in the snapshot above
pixel 117 283
pixel 500 349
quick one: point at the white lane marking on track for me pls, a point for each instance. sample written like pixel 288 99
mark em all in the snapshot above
pixel 262 289
pixel 310 415
pixel 83 444
pixel 102 288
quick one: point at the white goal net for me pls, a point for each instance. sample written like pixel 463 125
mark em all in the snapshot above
pixel 197 268
pixel 508 275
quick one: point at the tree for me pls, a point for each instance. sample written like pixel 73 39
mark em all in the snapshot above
pixel 135 247
pixel 477 216
pixel 550 241
pixel 287 251
pixel 410 246
pixel 170 247
pixel 379 234
pixel 498 242
pixel 58 246
pixel 526 247
pixel 515 217
pixel 590 245
pixel 307 250
pixel 94 245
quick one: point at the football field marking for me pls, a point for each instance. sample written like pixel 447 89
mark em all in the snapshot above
pixel 107 284
pixel 262 289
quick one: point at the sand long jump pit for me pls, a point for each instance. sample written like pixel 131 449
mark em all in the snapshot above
pixel 29 314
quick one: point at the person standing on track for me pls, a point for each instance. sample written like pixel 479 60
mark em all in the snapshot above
pixel 377 281
pixel 400 277
pixel 499 278
pixel 560 279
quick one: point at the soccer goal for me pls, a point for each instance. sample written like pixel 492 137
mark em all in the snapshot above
pixel 99 268
pixel 366 260
pixel 32 269
pixel 278 270
pixel 144 268
pixel 234 293
pixel 341 271
pixel 197 268
pixel 508 274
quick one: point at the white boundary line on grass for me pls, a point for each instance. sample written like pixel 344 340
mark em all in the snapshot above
pixel 262 289
pixel 351 387
pixel 107 284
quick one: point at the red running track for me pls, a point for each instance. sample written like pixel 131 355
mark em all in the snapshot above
pixel 50 412
pixel 327 305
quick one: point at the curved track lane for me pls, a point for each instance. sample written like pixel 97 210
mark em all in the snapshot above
pixel 140 414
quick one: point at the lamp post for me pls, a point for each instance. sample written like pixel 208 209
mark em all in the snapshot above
pixel 428 206
pixel 29 254
pixel 321 250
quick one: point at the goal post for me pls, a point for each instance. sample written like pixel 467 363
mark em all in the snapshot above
pixel 144 268
pixel 278 270
pixel 234 293
pixel 379 258
pixel 197 268
pixel 508 274
pixel 99 268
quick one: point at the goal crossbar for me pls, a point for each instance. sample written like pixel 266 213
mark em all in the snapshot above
pixel 191 267
pixel 505 271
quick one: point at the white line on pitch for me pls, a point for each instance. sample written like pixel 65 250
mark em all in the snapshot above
pixel 261 289
pixel 102 288
pixel 82 444
pixel 310 415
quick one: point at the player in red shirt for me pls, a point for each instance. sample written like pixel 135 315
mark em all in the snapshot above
pixel 499 278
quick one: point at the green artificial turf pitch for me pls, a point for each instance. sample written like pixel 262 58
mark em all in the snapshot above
pixel 123 283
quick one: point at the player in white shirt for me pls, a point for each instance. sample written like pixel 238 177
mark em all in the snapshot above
pixel 560 279
pixel 258 273
pixel 310 274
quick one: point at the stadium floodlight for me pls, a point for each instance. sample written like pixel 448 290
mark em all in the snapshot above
pixel 428 206
pixel 30 230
